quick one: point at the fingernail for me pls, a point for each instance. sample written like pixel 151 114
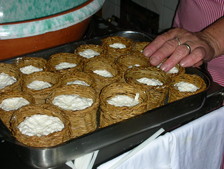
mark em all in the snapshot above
pixel 182 64
pixel 163 68
pixel 153 60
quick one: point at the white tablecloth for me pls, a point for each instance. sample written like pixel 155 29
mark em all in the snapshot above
pixel 196 145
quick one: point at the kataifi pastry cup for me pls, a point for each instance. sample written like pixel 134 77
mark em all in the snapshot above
pixel 89 51
pixel 48 139
pixel 40 93
pixel 29 65
pixel 111 113
pixel 78 78
pixel 148 77
pixel 96 66
pixel 134 59
pixel 64 63
pixel 139 46
pixel 12 101
pixel 10 78
pixel 185 85
pixel 115 46
pixel 83 119
pixel 157 98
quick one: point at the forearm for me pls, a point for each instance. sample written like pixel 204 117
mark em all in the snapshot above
pixel 215 36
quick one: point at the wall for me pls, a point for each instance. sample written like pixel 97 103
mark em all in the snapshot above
pixel 165 8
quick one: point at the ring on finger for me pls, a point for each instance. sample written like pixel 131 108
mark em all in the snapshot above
pixel 187 46
pixel 178 41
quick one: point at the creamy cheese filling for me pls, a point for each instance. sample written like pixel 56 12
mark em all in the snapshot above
pixel 124 100
pixel 79 82
pixel 103 73
pixel 30 69
pixel 135 65
pixel 38 85
pixel 89 53
pixel 13 103
pixel 172 70
pixel 6 80
pixel 186 87
pixel 65 65
pixel 72 102
pixel 150 82
pixel 40 125
pixel 118 45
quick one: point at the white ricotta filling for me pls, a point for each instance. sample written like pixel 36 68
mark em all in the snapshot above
pixel 65 65
pixel 118 45
pixel 40 125
pixel 89 53
pixel 13 103
pixel 172 70
pixel 30 69
pixel 135 65
pixel 6 80
pixel 103 73
pixel 123 100
pixel 79 82
pixel 150 82
pixel 186 87
pixel 72 102
pixel 38 85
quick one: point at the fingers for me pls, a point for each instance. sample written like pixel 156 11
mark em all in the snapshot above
pixel 182 56
pixel 179 53
pixel 163 52
pixel 195 57
pixel 179 46
pixel 160 40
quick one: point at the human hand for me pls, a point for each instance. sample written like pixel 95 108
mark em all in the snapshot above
pixel 179 46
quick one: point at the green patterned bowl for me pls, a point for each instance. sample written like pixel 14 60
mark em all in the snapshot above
pixel 31 25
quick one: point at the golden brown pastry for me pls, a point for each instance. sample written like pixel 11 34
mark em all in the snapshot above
pixel 80 104
pixel 185 85
pixel 103 71
pixel 134 59
pixel 139 46
pixel 64 63
pixel 29 65
pixel 40 126
pixel 10 78
pixel 115 46
pixel 89 51
pixel 12 101
pixel 121 101
pixel 41 84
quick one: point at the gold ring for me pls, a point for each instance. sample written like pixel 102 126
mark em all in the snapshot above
pixel 188 47
pixel 178 41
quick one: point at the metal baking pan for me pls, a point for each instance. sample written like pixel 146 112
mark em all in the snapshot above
pixel 118 138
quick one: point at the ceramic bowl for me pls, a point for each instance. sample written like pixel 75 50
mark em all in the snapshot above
pixel 27 26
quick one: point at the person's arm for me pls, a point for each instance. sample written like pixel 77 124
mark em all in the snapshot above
pixel 204 46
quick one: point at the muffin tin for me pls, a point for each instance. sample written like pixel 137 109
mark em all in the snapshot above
pixel 122 136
